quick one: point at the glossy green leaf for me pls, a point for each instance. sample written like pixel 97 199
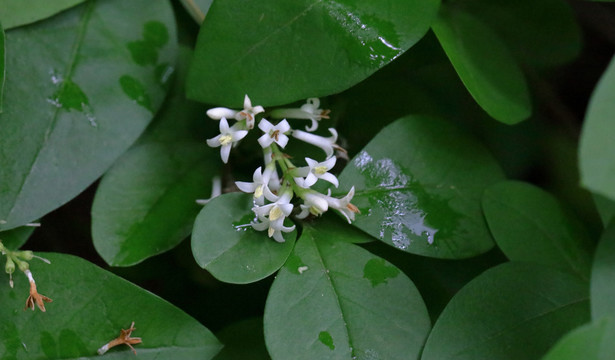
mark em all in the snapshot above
pixel 590 342
pixel 283 52
pixel 243 340
pixel 18 12
pixel 605 207
pixel 603 273
pixel 334 300
pixel 15 238
pixel 418 185
pixel 529 224
pixel 541 33
pixel 94 95
pixel 513 311
pixel 224 243
pixel 146 205
pixel 596 146
pixel 484 64
pixel 89 308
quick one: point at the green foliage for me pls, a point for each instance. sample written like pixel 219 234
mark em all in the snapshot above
pixel 323 47
pixel 512 311
pixel 15 238
pixel 597 145
pixel 408 198
pixel 104 116
pixel 342 287
pixel 16 12
pixel 2 64
pixel 224 243
pixel 102 304
pixel 592 342
pixel 77 60
pixel 602 287
pixel 528 224
pixel 484 65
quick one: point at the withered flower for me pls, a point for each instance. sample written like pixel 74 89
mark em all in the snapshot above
pixel 124 338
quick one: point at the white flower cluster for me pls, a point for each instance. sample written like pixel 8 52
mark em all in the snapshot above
pixel 275 186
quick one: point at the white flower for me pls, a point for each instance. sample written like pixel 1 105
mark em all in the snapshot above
pixel 259 186
pixel 273 133
pixel 228 136
pixel 315 171
pixel 221 112
pixel 308 111
pixel 343 205
pixel 271 217
pixel 326 144
pixel 249 112
pixel 315 203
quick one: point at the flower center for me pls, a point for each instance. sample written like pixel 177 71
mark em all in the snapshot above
pixel 320 170
pixel 275 213
pixel 275 135
pixel 225 139
pixel 258 192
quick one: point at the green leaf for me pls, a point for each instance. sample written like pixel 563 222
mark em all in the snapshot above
pixel 179 119
pixel 513 311
pixel 224 243
pixel 2 65
pixel 145 204
pixel 603 273
pixel 89 308
pixel 306 48
pixel 529 224
pixel 590 342
pixel 597 147
pixel 418 185
pixel 18 12
pixel 605 207
pixel 68 111
pixel 484 64
pixel 541 33
pixel 334 300
pixel 243 340
pixel 15 238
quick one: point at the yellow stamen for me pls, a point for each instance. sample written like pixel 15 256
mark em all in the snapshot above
pixel 320 170
pixel 275 213
pixel 225 139
pixel 258 192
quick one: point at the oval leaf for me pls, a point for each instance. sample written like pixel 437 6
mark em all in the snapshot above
pixel 513 311
pixel 16 12
pixel 89 308
pixel 418 186
pixel 307 48
pixel 95 93
pixel 145 204
pixel 484 64
pixel 529 224
pixel 603 273
pixel 590 342
pixel 597 147
pixel 359 305
pixel 224 243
